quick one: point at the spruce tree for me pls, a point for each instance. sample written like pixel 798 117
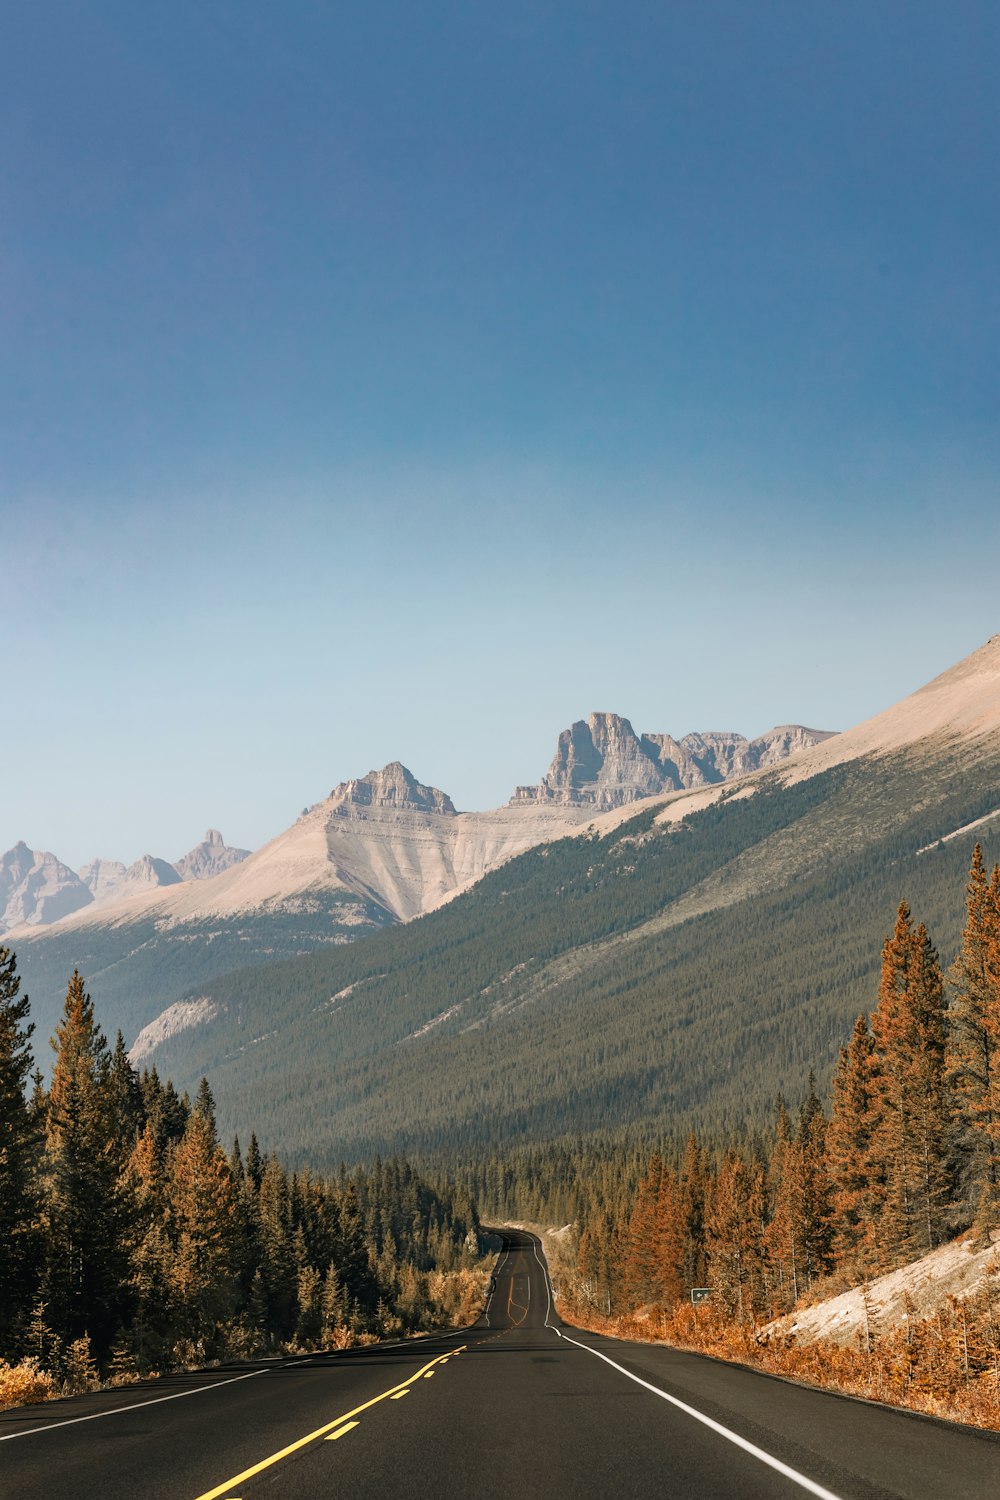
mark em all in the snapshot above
pixel 815 1205
pixel 974 1048
pixel 691 1208
pixel 204 1230
pixel 85 1215
pixel 641 1270
pixel 126 1098
pixel 736 1238
pixel 856 1195
pixel 784 1242
pixel 19 1145
pixel 909 1145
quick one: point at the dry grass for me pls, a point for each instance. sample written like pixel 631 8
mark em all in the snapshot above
pixel 25 1384
pixel 946 1365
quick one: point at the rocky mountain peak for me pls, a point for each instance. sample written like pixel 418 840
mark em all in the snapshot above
pixel 36 888
pixel 150 871
pixel 392 787
pixel 102 877
pixel 210 857
pixel 601 762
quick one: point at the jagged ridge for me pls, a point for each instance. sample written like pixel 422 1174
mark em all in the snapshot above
pixel 601 762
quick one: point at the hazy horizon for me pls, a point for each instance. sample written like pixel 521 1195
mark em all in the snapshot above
pixel 388 385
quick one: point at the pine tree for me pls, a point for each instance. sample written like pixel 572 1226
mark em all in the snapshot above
pixel 254 1164
pixel 19 1145
pixel 641 1272
pixel 785 1251
pixel 815 1230
pixel 151 1256
pixel 909 1145
pixel 671 1238
pixel 126 1101
pixel 856 1196
pixel 693 1261
pixel 204 1232
pixel 974 1047
pixel 277 1260
pixel 86 1215
pixel 736 1238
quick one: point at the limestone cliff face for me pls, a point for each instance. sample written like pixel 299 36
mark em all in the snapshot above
pixel 601 762
pixel 392 787
pixel 147 874
pixel 102 877
pixel 210 857
pixel 36 888
pixel 109 880
pixel 390 839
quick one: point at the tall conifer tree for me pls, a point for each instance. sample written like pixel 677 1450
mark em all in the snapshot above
pixel 85 1282
pixel 974 1047
pixel 909 1146
pixel 18 1152
pixel 856 1197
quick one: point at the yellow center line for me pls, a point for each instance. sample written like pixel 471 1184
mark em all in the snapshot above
pixel 310 1437
pixel 347 1427
pixel 511 1304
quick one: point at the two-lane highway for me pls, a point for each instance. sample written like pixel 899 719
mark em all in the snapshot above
pixel 520 1401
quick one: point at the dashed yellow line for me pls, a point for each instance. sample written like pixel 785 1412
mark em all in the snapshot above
pixel 335 1429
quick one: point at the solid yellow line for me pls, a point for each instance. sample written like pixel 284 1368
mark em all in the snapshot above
pixel 266 1463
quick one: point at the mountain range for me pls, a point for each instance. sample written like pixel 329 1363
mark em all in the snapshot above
pixel 380 850
pixel 586 958
pixel 37 889
pixel 600 763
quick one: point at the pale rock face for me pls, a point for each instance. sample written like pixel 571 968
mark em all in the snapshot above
pixel 392 787
pixel 103 877
pixel 786 740
pixel 36 888
pixel 601 762
pixel 210 857
pixel 147 874
pixel 180 1016
pixel 388 838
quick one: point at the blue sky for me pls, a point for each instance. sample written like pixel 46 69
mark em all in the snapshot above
pixel 387 381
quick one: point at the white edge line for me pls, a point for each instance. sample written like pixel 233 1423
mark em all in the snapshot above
pixel 548 1290
pixel 496 1272
pixel 727 1433
pixel 115 1411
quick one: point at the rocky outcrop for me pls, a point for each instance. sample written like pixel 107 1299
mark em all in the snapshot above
pixel 388 839
pixel 601 762
pixel 392 787
pixel 210 857
pixel 180 1016
pixel 36 888
pixel 103 878
pixel 147 874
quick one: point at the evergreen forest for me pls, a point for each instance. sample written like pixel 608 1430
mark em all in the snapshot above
pixel 133 1242
pixel 631 984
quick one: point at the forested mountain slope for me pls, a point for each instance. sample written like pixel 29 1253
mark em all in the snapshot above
pixel 668 966
pixel 381 849
pixel 557 995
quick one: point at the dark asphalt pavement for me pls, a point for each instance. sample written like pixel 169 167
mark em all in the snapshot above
pixel 520 1403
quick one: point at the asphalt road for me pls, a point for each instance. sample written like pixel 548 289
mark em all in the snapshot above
pixel 518 1404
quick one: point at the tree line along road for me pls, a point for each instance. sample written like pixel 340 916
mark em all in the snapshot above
pixel 518 1403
